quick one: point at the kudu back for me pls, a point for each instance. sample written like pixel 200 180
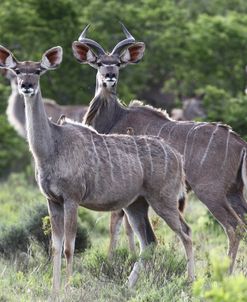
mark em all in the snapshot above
pixel 214 155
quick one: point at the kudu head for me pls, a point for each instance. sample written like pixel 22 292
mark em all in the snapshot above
pixel 127 51
pixel 29 72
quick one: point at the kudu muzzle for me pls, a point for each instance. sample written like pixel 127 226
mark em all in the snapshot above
pixel 109 79
pixel 28 84
pixel 27 88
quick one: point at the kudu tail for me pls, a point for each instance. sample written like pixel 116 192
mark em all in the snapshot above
pixel 244 179
pixel 182 195
pixel 182 203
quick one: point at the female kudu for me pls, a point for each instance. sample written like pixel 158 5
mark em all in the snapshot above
pixel 77 166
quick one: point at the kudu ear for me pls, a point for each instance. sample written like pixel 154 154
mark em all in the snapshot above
pixel 83 53
pixel 52 58
pixel 133 54
pixel 7 59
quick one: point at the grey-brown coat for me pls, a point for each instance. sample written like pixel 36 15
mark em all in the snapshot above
pixel 75 166
pixel 214 155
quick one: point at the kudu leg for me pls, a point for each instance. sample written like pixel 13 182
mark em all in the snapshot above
pixel 169 212
pixel 130 235
pixel 239 205
pixel 115 225
pixel 56 213
pixel 137 214
pixel 221 209
pixel 70 226
pixel 233 244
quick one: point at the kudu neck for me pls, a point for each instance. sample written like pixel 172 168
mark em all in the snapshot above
pixel 38 128
pixel 104 111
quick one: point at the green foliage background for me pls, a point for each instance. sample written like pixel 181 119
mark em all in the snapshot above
pixel 192 48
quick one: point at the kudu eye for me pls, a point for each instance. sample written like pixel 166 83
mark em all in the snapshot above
pixel 38 72
pixel 118 64
pixel 17 71
pixel 99 64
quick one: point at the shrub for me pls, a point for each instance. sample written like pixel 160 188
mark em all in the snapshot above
pixel 221 106
pixel 115 270
pixel 36 226
pixel 13 149
pixel 13 240
pixel 221 286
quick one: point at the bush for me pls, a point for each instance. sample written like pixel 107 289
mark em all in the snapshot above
pixel 221 106
pixel 221 287
pixel 13 150
pixel 13 240
pixel 36 226
pixel 115 270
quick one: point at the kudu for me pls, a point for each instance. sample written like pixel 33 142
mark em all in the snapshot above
pixel 214 156
pixel 77 166
pixel 16 107
pixel 192 109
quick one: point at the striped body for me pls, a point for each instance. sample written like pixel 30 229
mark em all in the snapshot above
pixel 212 152
pixel 112 170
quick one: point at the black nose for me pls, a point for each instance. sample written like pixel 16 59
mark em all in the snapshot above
pixel 26 85
pixel 110 75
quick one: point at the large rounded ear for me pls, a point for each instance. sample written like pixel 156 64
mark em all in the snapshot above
pixel 84 54
pixel 52 58
pixel 133 54
pixel 7 59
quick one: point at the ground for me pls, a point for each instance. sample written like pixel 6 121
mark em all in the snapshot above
pixel 27 276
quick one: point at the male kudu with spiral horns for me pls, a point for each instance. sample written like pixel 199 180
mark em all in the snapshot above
pixel 214 156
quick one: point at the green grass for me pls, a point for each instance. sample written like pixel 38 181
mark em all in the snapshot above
pixel 27 277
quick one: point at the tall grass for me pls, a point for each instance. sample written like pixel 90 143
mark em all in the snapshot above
pixel 27 276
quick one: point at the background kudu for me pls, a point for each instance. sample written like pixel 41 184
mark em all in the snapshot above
pixel 16 107
pixel 77 166
pixel 192 109
pixel 214 156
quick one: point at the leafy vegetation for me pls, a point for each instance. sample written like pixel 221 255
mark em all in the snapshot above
pixel 26 276
pixel 221 286
pixel 190 46
pixel 193 48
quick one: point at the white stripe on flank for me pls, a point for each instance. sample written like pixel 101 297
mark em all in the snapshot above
pixel 150 156
pixel 227 147
pixel 129 165
pixel 165 154
pixel 120 162
pixel 192 144
pixel 208 146
pixel 97 159
pixel 169 134
pixel 137 153
pixel 110 160
pixel 146 129
pixel 178 176
pixel 186 141
pixel 162 127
